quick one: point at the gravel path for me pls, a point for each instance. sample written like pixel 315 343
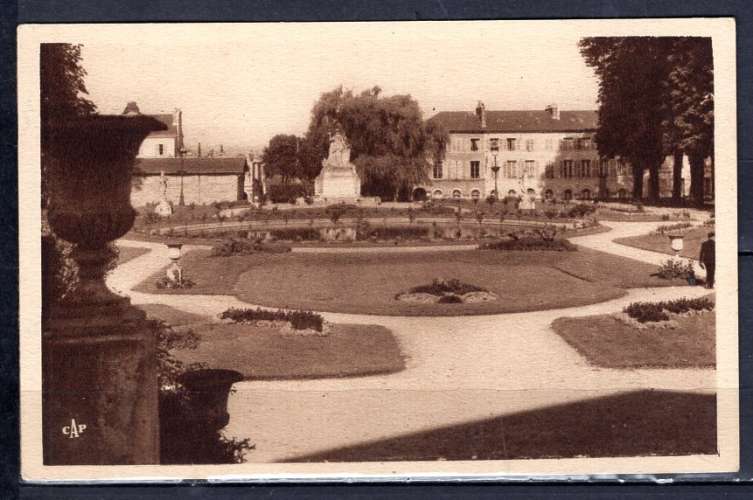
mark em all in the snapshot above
pixel 459 369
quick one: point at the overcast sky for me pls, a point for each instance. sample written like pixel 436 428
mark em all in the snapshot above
pixel 241 84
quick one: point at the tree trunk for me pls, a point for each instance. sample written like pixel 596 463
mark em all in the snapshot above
pixel 677 177
pixel 637 183
pixel 653 182
pixel 696 179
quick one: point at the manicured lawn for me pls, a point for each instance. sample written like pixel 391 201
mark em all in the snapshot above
pixel 368 283
pixel 660 243
pixel 264 353
pixel 639 423
pixel 129 253
pixel 607 342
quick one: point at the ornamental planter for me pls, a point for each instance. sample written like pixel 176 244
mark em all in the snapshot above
pixel 98 352
pixel 207 392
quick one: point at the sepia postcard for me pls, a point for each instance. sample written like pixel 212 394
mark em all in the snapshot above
pixel 378 250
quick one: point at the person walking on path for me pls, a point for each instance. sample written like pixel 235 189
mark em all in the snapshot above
pixel 708 259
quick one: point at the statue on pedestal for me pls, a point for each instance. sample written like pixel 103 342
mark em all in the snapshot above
pixel 163 208
pixel 338 180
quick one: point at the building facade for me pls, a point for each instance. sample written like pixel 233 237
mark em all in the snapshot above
pixel 548 154
pixel 163 169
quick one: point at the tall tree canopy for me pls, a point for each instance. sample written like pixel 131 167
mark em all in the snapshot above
pixel 632 72
pixel 391 145
pixel 655 99
pixel 691 105
pixel 62 91
pixel 281 157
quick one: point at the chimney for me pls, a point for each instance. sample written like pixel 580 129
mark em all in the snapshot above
pixel 131 108
pixel 222 150
pixel 481 113
pixel 178 121
pixel 553 111
pixel 198 150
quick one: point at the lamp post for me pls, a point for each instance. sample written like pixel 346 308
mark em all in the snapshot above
pixel 495 169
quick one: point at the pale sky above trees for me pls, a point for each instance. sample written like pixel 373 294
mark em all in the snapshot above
pixel 242 84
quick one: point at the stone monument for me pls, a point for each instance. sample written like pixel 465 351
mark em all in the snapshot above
pixel 163 208
pixel 338 181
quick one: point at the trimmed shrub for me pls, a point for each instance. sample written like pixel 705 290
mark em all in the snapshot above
pixel 529 244
pixel 450 299
pixel 299 320
pixel 668 228
pixel 581 210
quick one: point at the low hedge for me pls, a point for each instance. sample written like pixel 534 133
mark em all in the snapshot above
pixel 645 312
pixel 299 320
pixel 296 234
pixel 234 246
pixel 530 243
pixel 394 232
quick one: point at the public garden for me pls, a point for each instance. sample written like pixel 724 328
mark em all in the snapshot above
pixel 466 337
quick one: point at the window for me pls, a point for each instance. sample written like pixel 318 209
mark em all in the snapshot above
pixel 475 194
pixel 621 169
pixel 548 194
pixel 586 143
pixel 567 195
pixel 494 144
pixel 530 168
pixel 585 168
pixel 622 194
pixel 437 194
pixel 437 173
pixel 567 168
pixel 456 194
pixel 511 192
pixel 474 144
pixel 511 169
pixel 511 145
pixel 160 149
pixel 566 144
pixel 585 194
pixel 604 168
pixel 475 169
pixel 549 171
pixel 529 144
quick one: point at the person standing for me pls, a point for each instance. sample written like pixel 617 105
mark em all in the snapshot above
pixel 708 259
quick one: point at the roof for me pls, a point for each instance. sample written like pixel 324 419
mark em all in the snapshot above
pixel 517 121
pixel 190 166
pixel 167 119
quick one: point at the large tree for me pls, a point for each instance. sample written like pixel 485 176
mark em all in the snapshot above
pixel 691 105
pixel 62 92
pixel 281 157
pixel 391 145
pixel 632 74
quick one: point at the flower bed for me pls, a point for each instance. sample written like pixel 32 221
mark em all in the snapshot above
pixel 530 244
pixel 645 312
pixel 234 246
pixel 299 320
pixel 676 268
pixel 452 291
pixel 671 228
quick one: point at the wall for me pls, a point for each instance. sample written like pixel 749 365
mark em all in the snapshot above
pixel 199 189
pixel 148 148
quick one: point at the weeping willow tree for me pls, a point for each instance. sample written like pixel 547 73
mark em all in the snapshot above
pixel 391 145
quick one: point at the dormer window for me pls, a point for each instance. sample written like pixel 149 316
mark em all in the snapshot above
pixel 474 144
pixel 494 144
pixel 511 144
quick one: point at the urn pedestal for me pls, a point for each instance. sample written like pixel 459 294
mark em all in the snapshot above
pixel 99 380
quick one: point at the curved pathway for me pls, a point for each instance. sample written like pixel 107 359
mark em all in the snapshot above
pixel 459 369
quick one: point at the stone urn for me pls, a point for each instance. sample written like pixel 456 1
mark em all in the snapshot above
pixel 98 352
pixel 207 392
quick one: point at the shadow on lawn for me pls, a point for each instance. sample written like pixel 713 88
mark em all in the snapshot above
pixel 636 423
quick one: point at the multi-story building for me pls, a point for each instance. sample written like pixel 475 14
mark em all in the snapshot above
pixel 548 154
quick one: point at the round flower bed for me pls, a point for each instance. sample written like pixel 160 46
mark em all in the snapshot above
pixel 451 291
